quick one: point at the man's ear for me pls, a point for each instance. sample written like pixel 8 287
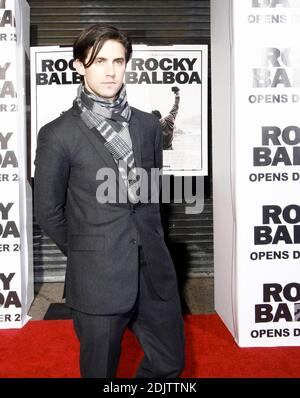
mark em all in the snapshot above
pixel 79 67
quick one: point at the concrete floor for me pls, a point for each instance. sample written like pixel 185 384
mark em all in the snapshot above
pixel 44 295
pixel 197 295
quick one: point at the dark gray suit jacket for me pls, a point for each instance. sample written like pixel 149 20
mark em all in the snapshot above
pixel 99 240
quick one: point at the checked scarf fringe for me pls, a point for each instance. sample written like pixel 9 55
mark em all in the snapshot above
pixel 111 120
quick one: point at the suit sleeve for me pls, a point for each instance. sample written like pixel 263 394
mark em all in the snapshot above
pixel 50 187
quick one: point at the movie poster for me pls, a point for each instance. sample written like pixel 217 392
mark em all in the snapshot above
pixel 168 81
pixel 16 263
pixel 263 157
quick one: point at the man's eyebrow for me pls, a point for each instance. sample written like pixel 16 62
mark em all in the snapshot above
pixel 115 59
pixel 119 59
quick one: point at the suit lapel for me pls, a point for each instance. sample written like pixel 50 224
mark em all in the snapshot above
pixel 97 141
pixel 135 131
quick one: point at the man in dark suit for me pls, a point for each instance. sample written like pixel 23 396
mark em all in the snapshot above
pixel 119 272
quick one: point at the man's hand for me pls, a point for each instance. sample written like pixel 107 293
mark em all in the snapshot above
pixel 175 89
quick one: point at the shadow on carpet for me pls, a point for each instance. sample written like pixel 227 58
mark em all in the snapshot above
pixel 58 311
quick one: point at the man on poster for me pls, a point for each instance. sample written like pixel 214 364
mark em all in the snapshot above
pixel 168 122
pixel 119 271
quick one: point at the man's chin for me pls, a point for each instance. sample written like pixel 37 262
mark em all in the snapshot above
pixel 107 95
pixel 110 96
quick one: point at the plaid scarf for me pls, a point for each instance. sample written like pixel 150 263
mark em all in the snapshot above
pixel 111 120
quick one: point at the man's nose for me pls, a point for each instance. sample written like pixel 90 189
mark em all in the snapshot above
pixel 110 69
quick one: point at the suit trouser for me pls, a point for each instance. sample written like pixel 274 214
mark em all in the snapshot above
pixel 157 324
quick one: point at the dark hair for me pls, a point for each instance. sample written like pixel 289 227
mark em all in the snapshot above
pixel 156 113
pixel 94 37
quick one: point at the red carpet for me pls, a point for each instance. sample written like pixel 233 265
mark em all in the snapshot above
pixel 50 349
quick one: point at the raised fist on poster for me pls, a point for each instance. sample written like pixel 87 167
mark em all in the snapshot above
pixel 175 89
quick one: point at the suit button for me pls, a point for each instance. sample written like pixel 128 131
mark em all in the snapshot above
pixel 133 241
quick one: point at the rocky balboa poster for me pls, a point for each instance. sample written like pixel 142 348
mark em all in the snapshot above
pixel 16 273
pixel 168 81
pixel 263 185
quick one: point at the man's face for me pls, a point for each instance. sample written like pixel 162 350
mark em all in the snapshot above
pixel 105 76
